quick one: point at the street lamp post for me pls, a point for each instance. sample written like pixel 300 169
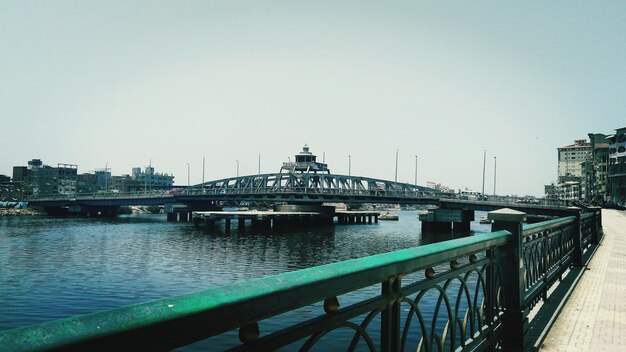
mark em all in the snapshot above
pixel 237 167
pixel 495 160
pixel 416 170
pixel 106 177
pixel 150 175
pixel 484 160
pixel 349 165
pixel 396 178
pixel 188 183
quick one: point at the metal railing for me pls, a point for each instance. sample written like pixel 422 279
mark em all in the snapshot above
pixel 464 294
pixel 547 252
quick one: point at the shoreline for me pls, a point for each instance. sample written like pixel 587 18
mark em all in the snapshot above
pixel 18 212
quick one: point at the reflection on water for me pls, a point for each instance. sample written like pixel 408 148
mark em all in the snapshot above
pixel 57 267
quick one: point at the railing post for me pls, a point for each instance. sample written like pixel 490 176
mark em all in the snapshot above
pixel 577 255
pixel 390 317
pixel 515 328
pixel 596 224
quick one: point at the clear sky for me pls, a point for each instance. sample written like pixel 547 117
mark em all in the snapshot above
pixel 133 82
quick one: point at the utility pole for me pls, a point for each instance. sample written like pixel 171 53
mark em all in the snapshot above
pixel 396 178
pixel 416 170
pixel 349 164
pixel 495 164
pixel 484 160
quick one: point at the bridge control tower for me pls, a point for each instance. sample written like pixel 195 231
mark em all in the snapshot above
pixel 305 162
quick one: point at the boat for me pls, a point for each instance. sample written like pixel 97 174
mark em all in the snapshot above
pixel 388 216
pixel 484 220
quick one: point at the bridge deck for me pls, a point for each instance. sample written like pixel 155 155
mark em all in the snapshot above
pixel 594 317
pixel 259 215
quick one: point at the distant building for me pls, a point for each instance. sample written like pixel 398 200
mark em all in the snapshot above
pixel 617 166
pixel 570 158
pixel 124 184
pixel 550 191
pixel 86 183
pixel 20 173
pixel 570 168
pixel 569 190
pixel 65 178
pixel 151 180
pixel 40 179
pixel 597 169
pixel 439 187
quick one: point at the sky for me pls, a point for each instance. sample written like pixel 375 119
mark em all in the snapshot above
pixel 135 83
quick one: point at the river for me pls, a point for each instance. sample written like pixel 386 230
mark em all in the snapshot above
pixel 53 268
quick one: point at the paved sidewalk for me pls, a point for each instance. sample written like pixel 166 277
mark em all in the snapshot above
pixel 594 318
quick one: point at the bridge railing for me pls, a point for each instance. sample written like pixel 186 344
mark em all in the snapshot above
pixel 103 195
pixel 464 294
pixel 312 191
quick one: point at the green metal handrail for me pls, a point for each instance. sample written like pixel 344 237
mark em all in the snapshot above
pixel 547 225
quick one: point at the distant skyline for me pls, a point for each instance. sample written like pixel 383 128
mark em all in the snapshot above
pixel 125 83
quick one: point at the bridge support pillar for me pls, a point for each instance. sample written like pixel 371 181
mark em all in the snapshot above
pixel 441 220
pixel 461 227
pixel 436 226
pixel 172 217
pixel 227 224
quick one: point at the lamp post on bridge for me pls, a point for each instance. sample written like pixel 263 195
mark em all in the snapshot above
pixel 484 160
pixel 106 177
pixel 495 160
pixel 188 183
pixel 237 168
pixel 396 178
pixel 415 170
pixel 349 165
pixel 150 169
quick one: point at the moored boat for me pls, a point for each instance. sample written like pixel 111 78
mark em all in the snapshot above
pixel 388 216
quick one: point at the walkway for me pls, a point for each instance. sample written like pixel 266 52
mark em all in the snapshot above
pixel 594 318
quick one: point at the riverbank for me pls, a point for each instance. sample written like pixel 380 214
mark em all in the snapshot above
pixel 18 212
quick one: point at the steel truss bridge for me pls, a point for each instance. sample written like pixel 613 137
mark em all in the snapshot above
pixel 268 188
pixel 312 188
pixel 290 188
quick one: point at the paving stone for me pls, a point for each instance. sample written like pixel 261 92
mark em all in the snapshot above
pixel 594 318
